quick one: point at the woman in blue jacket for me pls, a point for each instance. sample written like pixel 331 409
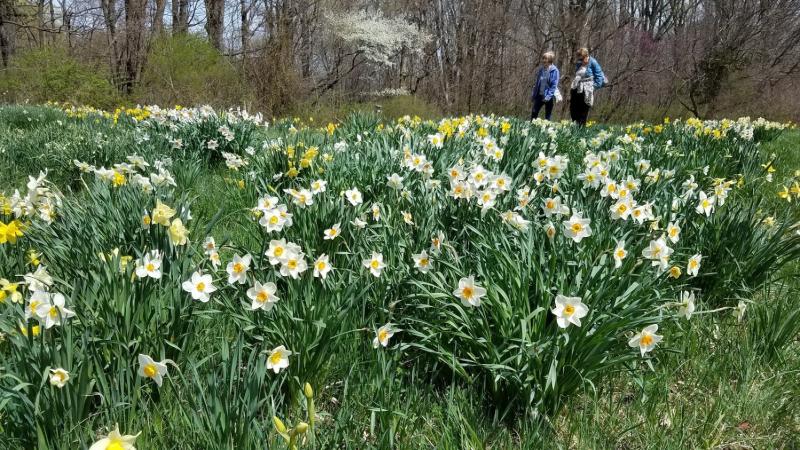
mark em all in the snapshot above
pixel 544 90
pixel 588 77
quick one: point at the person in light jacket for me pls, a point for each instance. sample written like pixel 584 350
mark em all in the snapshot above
pixel 544 90
pixel 588 77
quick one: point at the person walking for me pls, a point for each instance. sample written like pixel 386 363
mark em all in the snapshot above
pixel 588 77
pixel 546 87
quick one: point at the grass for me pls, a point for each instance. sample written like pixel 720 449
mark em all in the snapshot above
pixel 720 383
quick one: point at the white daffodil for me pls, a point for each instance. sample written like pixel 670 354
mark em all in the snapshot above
pixel 215 259
pixel 395 181
pixel 622 209
pixel 422 261
pixel 322 267
pixel 468 292
pixel 278 359
pixel 738 312
pixel 658 252
pixel 237 269
pixel 277 251
pixel 705 204
pixel 209 245
pixel 272 220
pixel 39 280
pixel 54 312
pixel 332 232
pixel 673 232
pixel 646 339
pixel 686 305
pixel 374 264
pixel 115 441
pixel 358 223
pixel 354 196
pixel 619 254
pixel 318 186
pixel 59 377
pixel 262 295
pixel 149 368
pixel 382 336
pixel 577 227
pixel 149 265
pixel 693 266
pixel 294 264
pixel 436 242
pixel 569 310
pixel 200 286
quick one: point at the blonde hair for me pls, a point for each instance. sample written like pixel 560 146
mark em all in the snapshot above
pixel 583 51
pixel 549 56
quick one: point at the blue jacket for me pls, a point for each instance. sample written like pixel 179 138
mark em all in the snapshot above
pixel 551 83
pixel 593 70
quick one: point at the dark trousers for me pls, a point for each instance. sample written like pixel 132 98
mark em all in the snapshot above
pixel 538 101
pixel 578 109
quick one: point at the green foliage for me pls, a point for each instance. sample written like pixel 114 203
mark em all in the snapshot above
pixel 51 74
pixel 187 70
pixel 500 375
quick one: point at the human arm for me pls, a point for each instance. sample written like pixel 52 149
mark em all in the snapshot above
pixel 555 76
pixel 597 73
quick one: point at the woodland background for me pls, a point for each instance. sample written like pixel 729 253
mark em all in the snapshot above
pixel 705 58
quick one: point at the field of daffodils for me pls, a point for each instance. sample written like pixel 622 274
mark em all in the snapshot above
pixel 192 278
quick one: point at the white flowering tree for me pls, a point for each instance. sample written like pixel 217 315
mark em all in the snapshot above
pixel 370 41
pixel 376 37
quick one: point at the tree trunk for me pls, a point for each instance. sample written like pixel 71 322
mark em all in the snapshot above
pixel 215 20
pixel 135 12
pixel 8 32
pixel 158 17
pixel 180 16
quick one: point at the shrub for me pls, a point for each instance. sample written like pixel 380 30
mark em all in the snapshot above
pixel 51 74
pixel 188 70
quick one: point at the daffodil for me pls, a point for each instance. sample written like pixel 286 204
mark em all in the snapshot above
pixel 382 336
pixel 739 310
pixel 705 204
pixel 115 441
pixel 293 264
pixel 278 359
pixel 646 340
pixel 469 292
pixel 9 289
pixel 10 232
pixel 658 252
pixel 619 254
pixel 178 233
pixel 53 312
pixel 686 305
pixel 577 227
pixel 273 220
pixel 237 269
pixel 277 251
pixel 569 310
pixel 149 265
pixel 422 261
pixel 154 370
pixel 673 232
pixel 374 264
pixel 262 296
pixel 354 196
pixel 693 266
pixel 59 377
pixel 162 214
pixel 322 267
pixel 200 286
pixel 332 232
